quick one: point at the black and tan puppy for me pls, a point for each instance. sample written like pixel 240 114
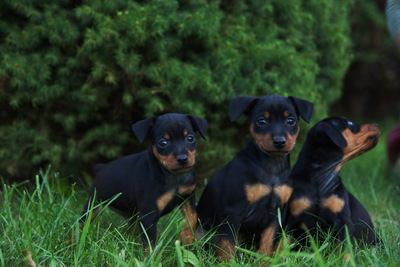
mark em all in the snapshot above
pixel 320 200
pixel 242 199
pixel 154 182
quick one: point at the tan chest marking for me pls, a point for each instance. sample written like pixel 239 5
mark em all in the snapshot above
pixel 283 192
pixel 187 189
pixel 333 203
pixel 256 191
pixel 300 205
pixel 163 201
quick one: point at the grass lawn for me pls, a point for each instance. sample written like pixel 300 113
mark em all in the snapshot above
pixel 38 220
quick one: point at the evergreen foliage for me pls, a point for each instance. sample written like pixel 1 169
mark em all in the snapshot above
pixel 74 75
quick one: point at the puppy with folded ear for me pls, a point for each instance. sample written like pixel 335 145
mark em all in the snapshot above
pixel 320 200
pixel 157 180
pixel 242 199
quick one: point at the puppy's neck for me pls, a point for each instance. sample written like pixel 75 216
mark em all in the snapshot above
pixel 318 170
pixel 272 165
pixel 173 180
pixel 327 184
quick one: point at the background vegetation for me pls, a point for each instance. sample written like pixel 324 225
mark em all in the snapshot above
pixel 371 86
pixel 74 75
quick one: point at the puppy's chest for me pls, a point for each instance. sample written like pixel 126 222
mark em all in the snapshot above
pixel 174 188
pixel 267 189
pixel 311 200
pixel 263 200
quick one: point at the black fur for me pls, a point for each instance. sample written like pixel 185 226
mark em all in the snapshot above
pixel 225 202
pixel 155 181
pixel 320 200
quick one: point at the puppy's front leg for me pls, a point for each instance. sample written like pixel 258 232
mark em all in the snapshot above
pixel 267 240
pixel 190 216
pixel 342 224
pixel 226 247
pixel 148 229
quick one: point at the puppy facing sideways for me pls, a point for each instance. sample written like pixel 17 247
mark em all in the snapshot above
pixel 320 200
pixel 153 182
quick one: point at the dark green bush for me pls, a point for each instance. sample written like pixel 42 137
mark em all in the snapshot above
pixel 74 75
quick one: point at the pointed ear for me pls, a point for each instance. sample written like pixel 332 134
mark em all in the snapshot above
pixel 199 124
pixel 242 105
pixel 334 134
pixel 142 128
pixel 304 108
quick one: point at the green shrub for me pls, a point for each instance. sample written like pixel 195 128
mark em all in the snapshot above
pixel 74 75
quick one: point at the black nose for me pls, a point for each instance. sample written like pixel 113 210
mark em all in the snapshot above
pixel 279 142
pixel 182 159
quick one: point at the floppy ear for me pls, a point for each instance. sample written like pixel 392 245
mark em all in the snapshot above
pixel 199 124
pixel 142 128
pixel 304 108
pixel 241 105
pixel 334 134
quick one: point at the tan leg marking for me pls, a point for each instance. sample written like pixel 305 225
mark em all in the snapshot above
pixel 95 212
pixel 256 191
pixel 266 243
pixel 225 250
pixel 146 251
pixel 187 234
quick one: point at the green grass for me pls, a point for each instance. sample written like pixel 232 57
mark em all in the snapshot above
pixel 39 219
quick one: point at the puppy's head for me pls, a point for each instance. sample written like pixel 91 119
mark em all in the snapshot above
pixel 339 137
pixel 173 139
pixel 273 120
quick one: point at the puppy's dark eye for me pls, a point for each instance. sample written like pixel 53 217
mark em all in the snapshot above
pixel 290 121
pixel 262 122
pixel 162 142
pixel 354 127
pixel 190 138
